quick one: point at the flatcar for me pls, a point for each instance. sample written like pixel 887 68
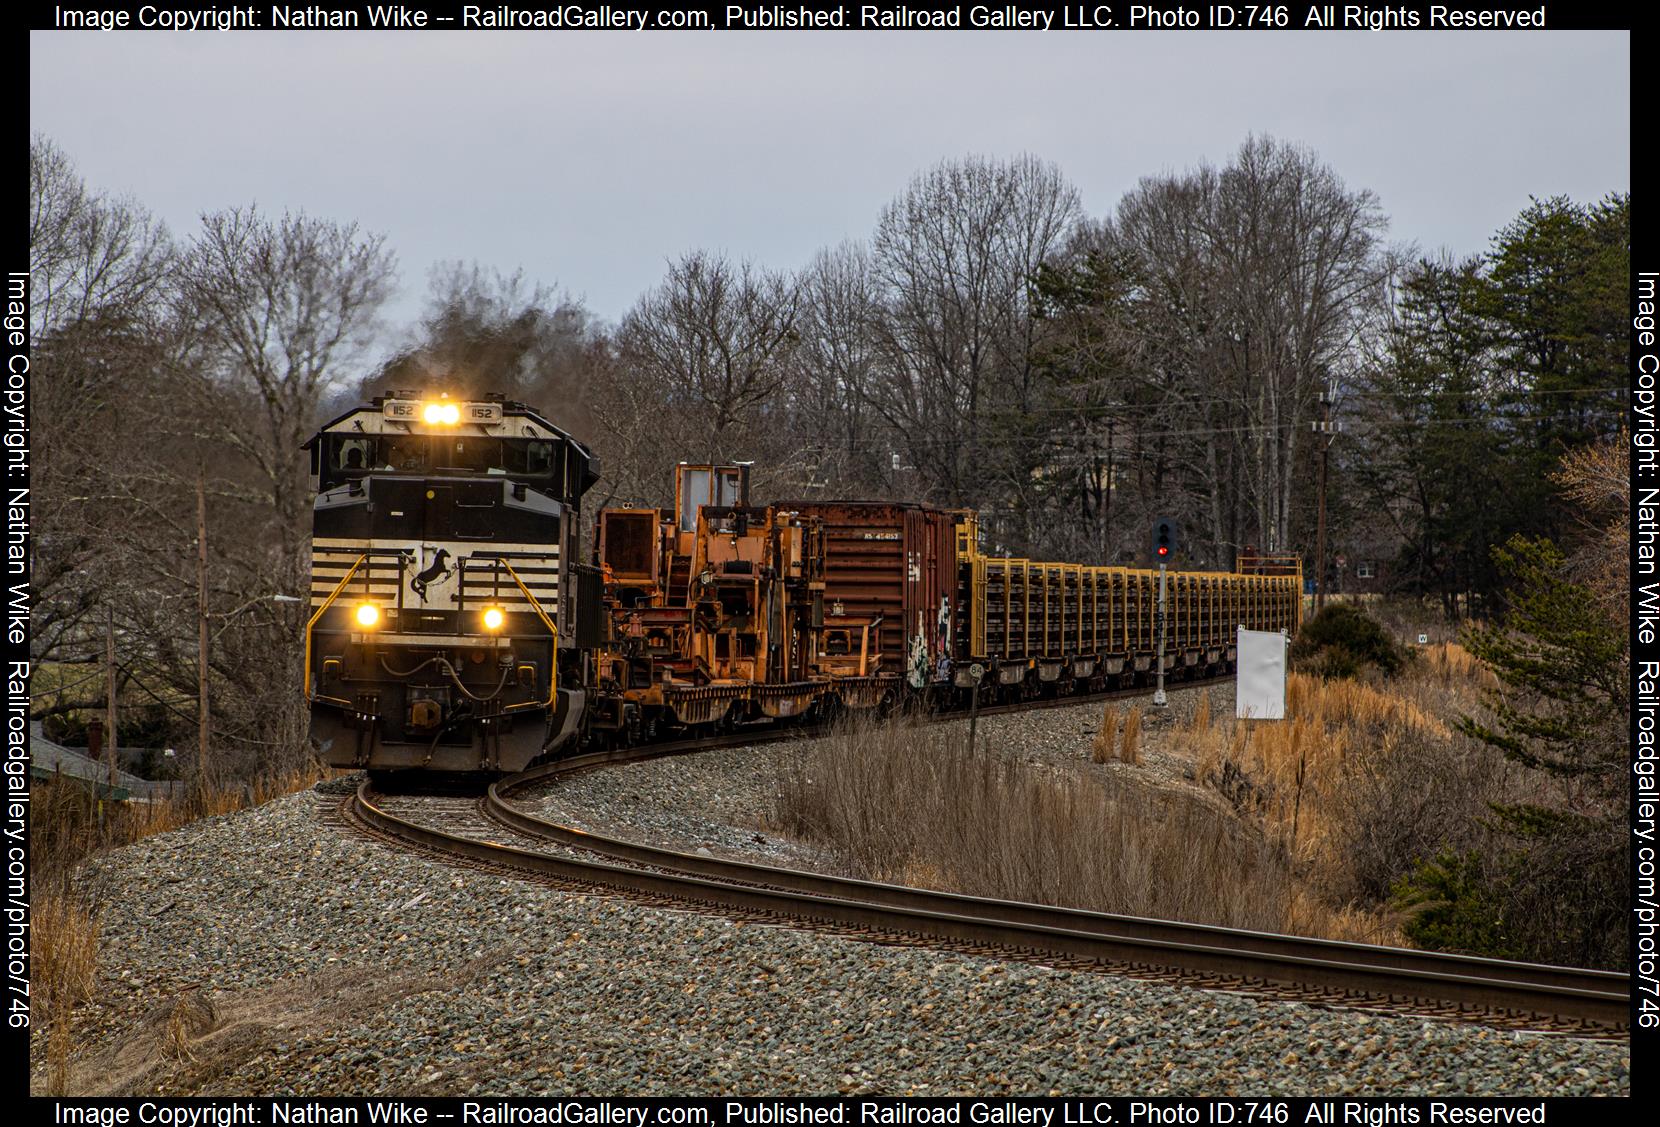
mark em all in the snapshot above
pixel 724 612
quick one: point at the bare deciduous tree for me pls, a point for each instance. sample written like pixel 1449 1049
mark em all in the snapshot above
pixel 282 308
pixel 98 270
pixel 1257 281
pixel 274 312
pixel 841 445
pixel 956 254
pixel 719 337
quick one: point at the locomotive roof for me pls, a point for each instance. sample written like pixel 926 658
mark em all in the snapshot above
pixel 370 418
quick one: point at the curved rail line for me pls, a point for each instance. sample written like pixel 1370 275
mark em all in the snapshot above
pixel 1589 1000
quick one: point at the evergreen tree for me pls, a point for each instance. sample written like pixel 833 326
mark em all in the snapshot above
pixel 1552 882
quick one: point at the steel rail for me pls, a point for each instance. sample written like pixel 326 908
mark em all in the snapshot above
pixel 1593 996
pixel 1251 958
pixel 1576 981
pixel 1604 992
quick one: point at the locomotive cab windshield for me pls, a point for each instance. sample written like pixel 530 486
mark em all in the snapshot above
pixel 347 457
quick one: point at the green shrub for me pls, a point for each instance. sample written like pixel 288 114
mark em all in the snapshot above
pixel 1546 887
pixel 1455 903
pixel 1342 640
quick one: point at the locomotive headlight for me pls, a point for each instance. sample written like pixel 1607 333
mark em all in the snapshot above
pixel 441 414
pixel 494 618
pixel 367 615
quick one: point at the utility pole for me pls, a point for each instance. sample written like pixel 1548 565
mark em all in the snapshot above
pixel 201 637
pixel 109 701
pixel 1327 431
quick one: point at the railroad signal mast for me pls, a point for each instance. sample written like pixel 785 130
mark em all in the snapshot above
pixel 1165 534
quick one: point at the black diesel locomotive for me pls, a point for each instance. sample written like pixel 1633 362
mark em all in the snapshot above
pixel 443 627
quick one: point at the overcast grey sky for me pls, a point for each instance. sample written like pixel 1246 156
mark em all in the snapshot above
pixel 590 158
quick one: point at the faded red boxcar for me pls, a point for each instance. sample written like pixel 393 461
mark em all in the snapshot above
pixel 897 561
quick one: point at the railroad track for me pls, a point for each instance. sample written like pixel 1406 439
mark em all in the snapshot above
pixel 1326 972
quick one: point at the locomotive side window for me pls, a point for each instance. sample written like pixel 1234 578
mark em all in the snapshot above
pixel 532 458
pixel 354 455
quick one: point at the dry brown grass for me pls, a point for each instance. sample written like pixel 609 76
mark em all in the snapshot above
pixel 915 805
pixel 1360 779
pixel 1201 713
pixel 64 950
pixel 1131 752
pixel 1329 808
pixel 1455 665
pixel 1106 737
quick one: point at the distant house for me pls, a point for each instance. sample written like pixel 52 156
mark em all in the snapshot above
pixel 49 761
pixel 1359 565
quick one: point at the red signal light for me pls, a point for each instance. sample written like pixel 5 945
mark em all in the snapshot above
pixel 1163 541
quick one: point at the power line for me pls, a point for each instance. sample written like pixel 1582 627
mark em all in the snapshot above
pixel 1145 436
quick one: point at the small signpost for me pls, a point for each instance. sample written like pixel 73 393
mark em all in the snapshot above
pixel 1260 692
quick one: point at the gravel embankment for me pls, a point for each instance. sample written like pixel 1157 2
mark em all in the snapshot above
pixel 725 802
pixel 270 952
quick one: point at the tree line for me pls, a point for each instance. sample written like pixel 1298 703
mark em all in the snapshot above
pixel 990 345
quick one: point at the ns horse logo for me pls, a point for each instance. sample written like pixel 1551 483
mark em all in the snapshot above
pixel 435 572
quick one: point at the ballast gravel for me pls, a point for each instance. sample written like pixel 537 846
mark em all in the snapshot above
pixel 276 952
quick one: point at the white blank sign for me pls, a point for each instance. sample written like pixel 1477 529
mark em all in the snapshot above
pixel 1260 693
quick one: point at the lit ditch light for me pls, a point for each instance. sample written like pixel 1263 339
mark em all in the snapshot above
pixel 494 618
pixel 367 615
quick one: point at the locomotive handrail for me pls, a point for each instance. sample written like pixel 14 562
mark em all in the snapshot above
pixel 553 659
pixel 327 603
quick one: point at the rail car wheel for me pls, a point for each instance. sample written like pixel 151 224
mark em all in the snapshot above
pixel 826 709
pixel 885 706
